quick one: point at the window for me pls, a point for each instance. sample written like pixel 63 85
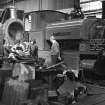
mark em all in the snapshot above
pixel 90 7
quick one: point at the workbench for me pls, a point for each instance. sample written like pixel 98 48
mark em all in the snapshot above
pixel 48 76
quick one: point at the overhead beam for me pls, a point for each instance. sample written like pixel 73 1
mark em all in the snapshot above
pixel 3 2
pixel 89 1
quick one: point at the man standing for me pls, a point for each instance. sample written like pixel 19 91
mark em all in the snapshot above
pixel 55 50
pixel 34 50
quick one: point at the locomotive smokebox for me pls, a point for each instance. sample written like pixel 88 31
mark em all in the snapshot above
pixel 13 30
pixel 13 27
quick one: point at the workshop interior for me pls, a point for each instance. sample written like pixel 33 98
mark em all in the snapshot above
pixel 52 52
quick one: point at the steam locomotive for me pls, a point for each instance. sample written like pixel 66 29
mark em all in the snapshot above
pixel 78 39
pixel 81 41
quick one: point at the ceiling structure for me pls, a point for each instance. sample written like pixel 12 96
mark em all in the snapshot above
pixel 3 2
pixel 7 2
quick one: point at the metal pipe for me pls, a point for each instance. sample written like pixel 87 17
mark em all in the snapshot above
pixel 13 12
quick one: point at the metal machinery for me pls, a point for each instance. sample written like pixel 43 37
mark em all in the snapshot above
pixel 11 27
pixel 68 35
pixel 79 39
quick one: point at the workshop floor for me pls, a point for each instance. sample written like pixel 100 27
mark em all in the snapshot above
pixel 95 96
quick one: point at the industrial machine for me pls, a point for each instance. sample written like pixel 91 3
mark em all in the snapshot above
pixel 79 39
pixel 67 33
pixel 11 27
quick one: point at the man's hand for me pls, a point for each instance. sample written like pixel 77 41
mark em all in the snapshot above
pixel 59 58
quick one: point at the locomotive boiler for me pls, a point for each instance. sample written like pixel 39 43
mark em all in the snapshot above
pixel 11 27
pixel 79 39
